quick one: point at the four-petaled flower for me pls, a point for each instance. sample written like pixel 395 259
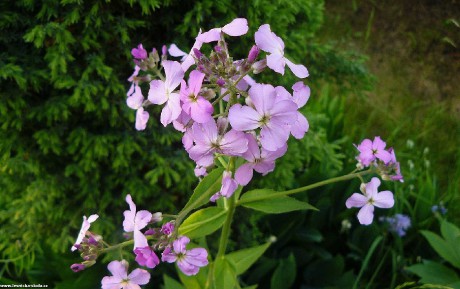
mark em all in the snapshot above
pixel 121 279
pixel 199 108
pixel 372 150
pixel 188 261
pixel 146 257
pixel 84 228
pixel 135 222
pixel 369 198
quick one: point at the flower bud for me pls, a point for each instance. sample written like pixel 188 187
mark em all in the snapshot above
pixel 164 51
pixel 167 228
pixel 150 232
pixel 157 217
pixel 217 48
pixel 220 82
pixel 253 53
pixel 77 267
pixel 197 53
pixel 139 52
pixel 259 66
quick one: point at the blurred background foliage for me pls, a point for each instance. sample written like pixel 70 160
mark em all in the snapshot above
pixel 68 146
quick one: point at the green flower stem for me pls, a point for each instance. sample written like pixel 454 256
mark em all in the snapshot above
pixel 231 205
pixel 309 187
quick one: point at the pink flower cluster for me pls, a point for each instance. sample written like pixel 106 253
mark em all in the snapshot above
pixel 373 154
pixel 218 107
pixel 163 239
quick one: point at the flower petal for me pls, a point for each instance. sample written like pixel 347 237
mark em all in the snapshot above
pixel 268 41
pixel 366 215
pixel 174 74
pixel 237 27
pixel 175 51
pixel 276 62
pixel 210 36
pixel 119 269
pixel 157 92
pixel 300 127
pixel 142 117
pixel 301 93
pixel 384 199
pixel 243 174
pixel 243 118
pixel 263 97
pixel 356 200
pixel 171 110
pixel 273 136
pixel 139 277
pixel 298 69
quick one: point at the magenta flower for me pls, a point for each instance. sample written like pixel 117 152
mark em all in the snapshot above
pixel 394 168
pixel 163 91
pixel 84 228
pixel 77 267
pixel 260 160
pixel 208 141
pixel 167 228
pixel 267 114
pixel 369 198
pixel 121 279
pixel 229 186
pixel 135 101
pixel 372 150
pixel 237 27
pixel 146 257
pixel 199 109
pixel 188 261
pixel 270 42
pixel 135 222
pixel 139 52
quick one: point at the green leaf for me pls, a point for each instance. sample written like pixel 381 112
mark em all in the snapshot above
pixel 284 275
pixel 170 283
pixel 432 272
pixel 205 189
pixel 243 259
pixel 251 287
pixel 203 222
pixel 442 247
pixel 225 274
pixel 451 234
pixel 257 200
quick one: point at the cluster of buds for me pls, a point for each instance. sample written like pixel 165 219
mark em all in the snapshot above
pixel 148 239
pixel 220 109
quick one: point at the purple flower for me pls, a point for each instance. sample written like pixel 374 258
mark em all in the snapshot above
pixel 370 198
pixel 84 228
pixel 267 114
pixel 237 27
pixel 146 257
pixel 208 141
pixel 372 150
pixel 394 170
pixel 268 41
pixel 176 52
pixel 398 224
pixel 188 261
pixel 139 52
pixel 260 160
pixel 199 109
pixel 162 91
pixel 135 222
pixel 121 279
pixel 253 53
pixel 229 186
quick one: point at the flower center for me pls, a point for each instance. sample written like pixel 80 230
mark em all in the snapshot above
pixel 264 120
pixel 192 97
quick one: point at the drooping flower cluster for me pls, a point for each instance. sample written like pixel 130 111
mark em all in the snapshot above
pixel 218 107
pixel 147 241
pixel 397 224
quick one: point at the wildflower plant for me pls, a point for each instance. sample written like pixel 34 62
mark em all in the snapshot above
pixel 232 125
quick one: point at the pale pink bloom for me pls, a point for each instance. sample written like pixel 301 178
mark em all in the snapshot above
pixel 369 198
pixel 300 96
pixel 135 222
pixel 163 91
pixel 146 257
pixel 268 114
pixel 176 52
pixel 208 141
pixel 84 228
pixel 121 279
pixel 237 27
pixel 372 150
pixel 229 186
pixel 199 108
pixel 268 41
pixel 188 261
pixel 259 159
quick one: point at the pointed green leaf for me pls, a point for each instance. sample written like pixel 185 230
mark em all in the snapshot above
pixel 285 273
pixel 261 200
pixel 442 247
pixel 243 259
pixel 435 273
pixel 451 234
pixel 203 222
pixel 170 283
pixel 205 189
